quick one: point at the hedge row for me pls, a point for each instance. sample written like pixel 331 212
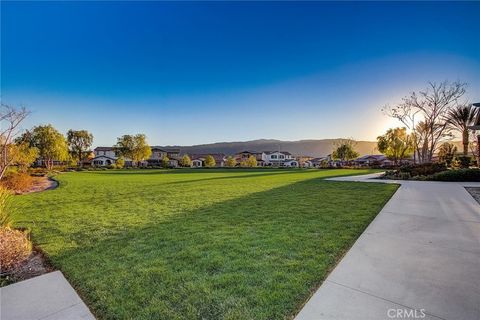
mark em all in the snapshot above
pixel 463 175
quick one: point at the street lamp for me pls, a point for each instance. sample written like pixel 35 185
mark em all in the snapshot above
pixel 476 126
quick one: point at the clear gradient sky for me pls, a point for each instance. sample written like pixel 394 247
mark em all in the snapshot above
pixel 189 73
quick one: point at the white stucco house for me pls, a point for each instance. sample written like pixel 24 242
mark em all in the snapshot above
pixel 104 156
pixel 291 163
pixel 269 158
pixel 197 163
pixel 279 159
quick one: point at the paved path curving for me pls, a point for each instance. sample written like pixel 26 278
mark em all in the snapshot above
pixel 46 297
pixel 418 259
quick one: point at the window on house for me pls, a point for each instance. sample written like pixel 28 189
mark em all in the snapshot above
pixel 273 156
pixel 281 156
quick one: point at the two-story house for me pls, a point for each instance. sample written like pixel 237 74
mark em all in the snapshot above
pixel 244 155
pixel 280 159
pixel 104 156
pixel 159 153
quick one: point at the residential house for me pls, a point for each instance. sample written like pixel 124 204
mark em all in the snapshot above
pixel 375 160
pixel 159 153
pixel 269 158
pixel 320 162
pixel 244 155
pixel 104 156
pixel 279 159
pixel 198 160
pixel 302 159
pixel 315 162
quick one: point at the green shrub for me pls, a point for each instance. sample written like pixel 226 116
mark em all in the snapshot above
pixel 397 175
pixel 464 161
pixel 465 175
pixel 415 171
pixel 419 178
pixel 424 169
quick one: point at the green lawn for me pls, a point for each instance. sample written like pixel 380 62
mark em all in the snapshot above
pixel 205 244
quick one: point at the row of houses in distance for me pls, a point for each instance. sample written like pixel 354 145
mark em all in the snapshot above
pixel 369 160
pixel 105 156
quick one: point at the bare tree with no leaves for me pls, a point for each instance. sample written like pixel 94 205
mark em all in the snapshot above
pixel 10 120
pixel 430 108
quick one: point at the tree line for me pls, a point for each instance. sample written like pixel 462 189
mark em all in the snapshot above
pixel 44 142
pixel 430 117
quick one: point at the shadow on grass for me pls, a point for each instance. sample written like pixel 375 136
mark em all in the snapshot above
pixel 243 176
pixel 253 257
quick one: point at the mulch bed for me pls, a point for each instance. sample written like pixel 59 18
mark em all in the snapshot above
pixel 475 192
pixel 40 184
pixel 35 265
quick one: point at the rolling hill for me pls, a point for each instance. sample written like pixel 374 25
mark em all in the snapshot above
pixel 315 148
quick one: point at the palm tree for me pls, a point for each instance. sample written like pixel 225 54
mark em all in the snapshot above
pixel 460 119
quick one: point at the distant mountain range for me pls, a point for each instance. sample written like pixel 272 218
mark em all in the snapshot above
pixel 314 148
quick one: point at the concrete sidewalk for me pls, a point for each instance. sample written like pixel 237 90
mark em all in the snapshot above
pixel 47 297
pixel 418 259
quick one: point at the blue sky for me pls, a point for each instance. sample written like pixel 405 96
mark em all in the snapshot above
pixel 189 73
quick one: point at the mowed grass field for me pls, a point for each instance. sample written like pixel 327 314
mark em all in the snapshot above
pixel 199 244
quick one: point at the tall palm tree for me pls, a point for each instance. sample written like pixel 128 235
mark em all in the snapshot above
pixel 460 119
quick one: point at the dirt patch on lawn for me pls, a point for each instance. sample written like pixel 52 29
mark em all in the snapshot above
pixel 475 192
pixel 40 184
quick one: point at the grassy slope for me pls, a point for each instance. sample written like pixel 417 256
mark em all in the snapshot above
pixel 199 244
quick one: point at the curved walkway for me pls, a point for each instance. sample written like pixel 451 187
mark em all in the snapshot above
pixel 418 259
